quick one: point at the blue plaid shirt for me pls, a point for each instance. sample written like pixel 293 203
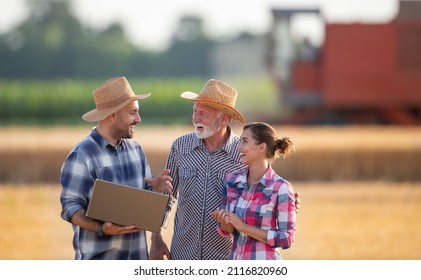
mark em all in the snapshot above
pixel 95 158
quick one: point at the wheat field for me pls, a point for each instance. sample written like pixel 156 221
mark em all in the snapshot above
pixel 351 219
pixel 360 221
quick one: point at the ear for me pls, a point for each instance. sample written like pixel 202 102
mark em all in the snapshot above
pixel 262 147
pixel 226 119
pixel 112 117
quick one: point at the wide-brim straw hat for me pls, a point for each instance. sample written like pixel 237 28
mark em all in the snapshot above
pixel 218 95
pixel 111 96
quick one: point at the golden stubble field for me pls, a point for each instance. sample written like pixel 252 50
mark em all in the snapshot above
pixel 351 219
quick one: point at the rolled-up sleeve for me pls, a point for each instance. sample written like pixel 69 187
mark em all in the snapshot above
pixel 224 233
pixel 76 181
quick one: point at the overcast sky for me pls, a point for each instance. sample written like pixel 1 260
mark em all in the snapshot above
pixel 150 23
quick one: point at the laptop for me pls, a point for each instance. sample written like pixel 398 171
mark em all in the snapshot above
pixel 124 205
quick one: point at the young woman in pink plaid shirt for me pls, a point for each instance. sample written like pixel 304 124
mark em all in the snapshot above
pixel 258 206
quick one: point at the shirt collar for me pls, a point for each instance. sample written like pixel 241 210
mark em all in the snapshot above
pixel 100 140
pixel 241 180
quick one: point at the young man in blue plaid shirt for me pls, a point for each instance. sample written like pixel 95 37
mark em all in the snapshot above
pixel 108 153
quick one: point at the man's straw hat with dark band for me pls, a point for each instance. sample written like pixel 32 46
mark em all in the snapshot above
pixel 218 95
pixel 110 97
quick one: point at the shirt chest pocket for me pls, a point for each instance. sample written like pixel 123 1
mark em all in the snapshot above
pixel 187 177
pixel 265 209
pixel 187 173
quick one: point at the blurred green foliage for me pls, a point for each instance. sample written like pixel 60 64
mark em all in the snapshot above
pixel 65 101
pixel 55 102
pixel 53 44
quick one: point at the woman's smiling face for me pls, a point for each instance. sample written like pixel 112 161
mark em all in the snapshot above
pixel 249 149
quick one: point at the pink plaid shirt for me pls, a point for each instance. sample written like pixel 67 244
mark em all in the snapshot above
pixel 268 205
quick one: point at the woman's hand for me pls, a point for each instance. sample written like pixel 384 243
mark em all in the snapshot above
pixel 221 216
pixel 235 221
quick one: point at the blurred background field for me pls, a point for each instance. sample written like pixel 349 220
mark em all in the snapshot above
pixel 346 153
pixel 351 221
pixel 360 189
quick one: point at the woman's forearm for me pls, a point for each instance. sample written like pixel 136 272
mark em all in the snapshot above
pixel 256 233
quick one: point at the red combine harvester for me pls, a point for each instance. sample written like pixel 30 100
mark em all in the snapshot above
pixel 363 73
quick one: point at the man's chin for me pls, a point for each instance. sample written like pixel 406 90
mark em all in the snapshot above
pixel 128 136
pixel 204 135
pixel 201 134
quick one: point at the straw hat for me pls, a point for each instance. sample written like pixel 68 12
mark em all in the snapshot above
pixel 218 95
pixel 111 96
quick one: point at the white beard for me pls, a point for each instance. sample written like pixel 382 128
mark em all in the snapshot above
pixel 208 130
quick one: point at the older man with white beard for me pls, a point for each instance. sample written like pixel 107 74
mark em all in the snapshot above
pixel 198 163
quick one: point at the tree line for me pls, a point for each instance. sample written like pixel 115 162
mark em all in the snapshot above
pixel 52 43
